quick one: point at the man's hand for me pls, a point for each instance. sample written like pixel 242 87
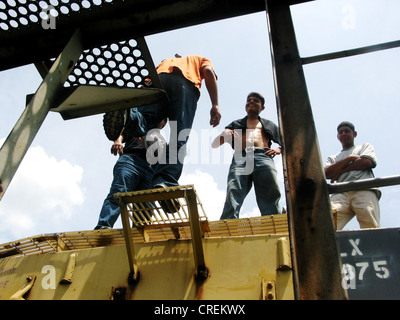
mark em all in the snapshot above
pixel 273 152
pixel 215 116
pixel 349 163
pixel 118 147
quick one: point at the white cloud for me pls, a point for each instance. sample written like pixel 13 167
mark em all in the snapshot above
pixel 253 213
pixel 41 196
pixel 213 198
pixel 210 196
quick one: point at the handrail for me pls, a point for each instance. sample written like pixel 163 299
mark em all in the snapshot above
pixel 351 52
pixel 363 184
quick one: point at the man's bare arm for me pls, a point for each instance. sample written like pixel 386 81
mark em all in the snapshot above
pixel 349 163
pixel 226 136
pixel 211 84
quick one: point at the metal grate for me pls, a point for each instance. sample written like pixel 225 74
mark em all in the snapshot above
pixel 17 14
pixel 144 212
pixel 120 64
pixel 51 243
pixel 123 64
pixel 152 225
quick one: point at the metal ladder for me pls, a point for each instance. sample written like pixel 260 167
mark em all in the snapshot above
pixel 144 210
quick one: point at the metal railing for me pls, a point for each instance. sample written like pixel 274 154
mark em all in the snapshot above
pixel 363 184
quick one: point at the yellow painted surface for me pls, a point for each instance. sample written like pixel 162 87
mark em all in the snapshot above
pixel 240 267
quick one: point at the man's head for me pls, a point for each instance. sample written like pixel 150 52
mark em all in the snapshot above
pixel 346 133
pixel 346 124
pixel 255 103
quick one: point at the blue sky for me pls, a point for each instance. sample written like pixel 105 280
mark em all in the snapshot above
pixel 67 172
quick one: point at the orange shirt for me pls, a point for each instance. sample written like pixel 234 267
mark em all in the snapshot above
pixel 190 66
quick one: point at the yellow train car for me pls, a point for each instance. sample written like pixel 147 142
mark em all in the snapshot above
pixel 180 256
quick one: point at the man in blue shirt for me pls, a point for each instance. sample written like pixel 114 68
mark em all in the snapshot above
pixel 133 170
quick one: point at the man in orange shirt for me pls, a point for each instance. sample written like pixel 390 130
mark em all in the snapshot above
pixel 181 78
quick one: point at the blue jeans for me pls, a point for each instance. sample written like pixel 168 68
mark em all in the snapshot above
pixel 131 173
pixel 183 96
pixel 142 119
pixel 266 186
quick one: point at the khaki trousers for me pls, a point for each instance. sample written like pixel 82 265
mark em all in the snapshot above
pixel 362 204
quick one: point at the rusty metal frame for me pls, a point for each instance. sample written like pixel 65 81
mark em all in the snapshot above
pixel 314 247
pixel 315 251
pixel 72 102
pixel 17 143
pixel 115 21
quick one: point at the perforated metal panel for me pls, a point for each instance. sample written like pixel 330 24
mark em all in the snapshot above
pixel 123 64
pixel 21 13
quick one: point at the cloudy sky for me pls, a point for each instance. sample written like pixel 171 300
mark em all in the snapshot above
pixel 67 172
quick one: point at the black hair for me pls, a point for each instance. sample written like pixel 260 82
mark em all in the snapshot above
pixel 257 95
pixel 346 124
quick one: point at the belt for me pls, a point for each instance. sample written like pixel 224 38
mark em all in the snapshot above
pixel 254 149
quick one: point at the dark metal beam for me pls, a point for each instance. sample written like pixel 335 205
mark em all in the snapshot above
pixel 115 21
pixel 315 254
pixel 351 52
pixel 20 138
pixel 363 184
